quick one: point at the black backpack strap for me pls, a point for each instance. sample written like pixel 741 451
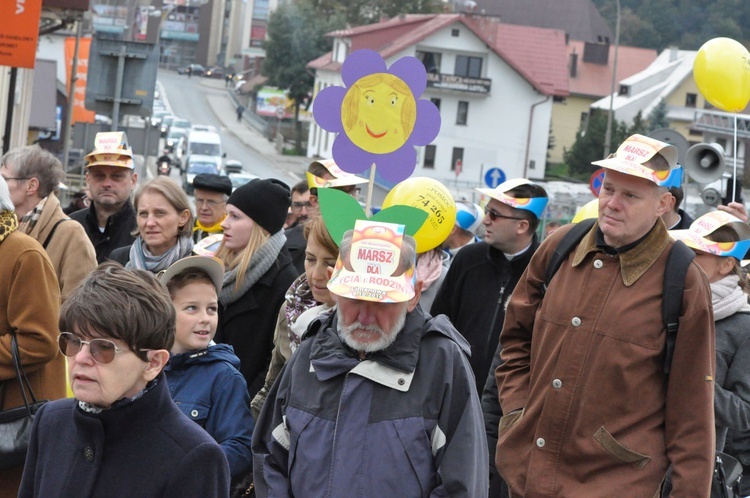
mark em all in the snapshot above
pixel 568 242
pixel 54 227
pixel 678 262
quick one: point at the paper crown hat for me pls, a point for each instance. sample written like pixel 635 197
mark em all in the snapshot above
pixel 110 149
pixel 212 266
pixel 698 236
pixel 633 154
pixel 369 266
pixel 500 193
pixel 340 177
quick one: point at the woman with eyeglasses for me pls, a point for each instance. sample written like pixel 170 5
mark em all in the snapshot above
pixel 29 307
pixel 259 270
pixel 122 435
pixel 165 227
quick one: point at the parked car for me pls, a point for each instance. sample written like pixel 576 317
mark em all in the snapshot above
pixel 166 122
pixel 196 167
pixel 196 69
pixel 232 166
pixel 214 72
pixel 239 179
pixel 202 127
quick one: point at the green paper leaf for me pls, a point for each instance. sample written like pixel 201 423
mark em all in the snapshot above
pixel 340 211
pixel 412 218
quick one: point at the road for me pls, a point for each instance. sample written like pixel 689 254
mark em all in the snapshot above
pixel 187 99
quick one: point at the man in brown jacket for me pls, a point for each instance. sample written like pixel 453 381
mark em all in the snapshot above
pixel 33 175
pixel 589 411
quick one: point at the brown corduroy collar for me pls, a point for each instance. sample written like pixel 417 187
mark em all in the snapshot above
pixel 635 262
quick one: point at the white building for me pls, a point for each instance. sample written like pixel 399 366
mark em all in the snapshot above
pixel 494 84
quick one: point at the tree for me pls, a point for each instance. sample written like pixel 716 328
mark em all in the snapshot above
pixel 590 143
pixel 657 118
pixel 296 36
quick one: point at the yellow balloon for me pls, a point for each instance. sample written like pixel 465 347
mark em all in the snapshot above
pixel 432 197
pixel 589 210
pixel 722 73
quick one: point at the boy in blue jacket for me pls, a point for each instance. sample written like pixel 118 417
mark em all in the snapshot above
pixel 202 376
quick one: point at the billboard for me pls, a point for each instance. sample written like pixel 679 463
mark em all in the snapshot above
pixel 80 113
pixel 19 32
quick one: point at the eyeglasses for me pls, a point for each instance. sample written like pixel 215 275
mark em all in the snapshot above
pixel 103 351
pixel 18 178
pixel 209 202
pixel 299 205
pixel 494 215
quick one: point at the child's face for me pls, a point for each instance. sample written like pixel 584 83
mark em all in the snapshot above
pixel 196 306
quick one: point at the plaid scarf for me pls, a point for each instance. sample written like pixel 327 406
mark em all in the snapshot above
pixel 28 221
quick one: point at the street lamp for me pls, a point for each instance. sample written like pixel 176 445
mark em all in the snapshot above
pixel 608 135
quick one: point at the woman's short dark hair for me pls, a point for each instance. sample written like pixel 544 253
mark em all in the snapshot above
pixel 129 305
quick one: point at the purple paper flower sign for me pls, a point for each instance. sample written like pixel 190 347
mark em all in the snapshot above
pixel 378 116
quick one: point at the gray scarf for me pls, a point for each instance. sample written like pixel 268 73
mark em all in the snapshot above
pixel 142 259
pixel 261 261
pixel 728 297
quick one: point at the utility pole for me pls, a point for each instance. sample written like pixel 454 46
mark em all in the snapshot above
pixel 67 125
pixel 608 135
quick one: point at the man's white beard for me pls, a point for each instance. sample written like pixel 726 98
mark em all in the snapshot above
pixel 385 339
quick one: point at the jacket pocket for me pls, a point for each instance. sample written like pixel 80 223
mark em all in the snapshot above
pixel 617 450
pixel 195 411
pixel 511 419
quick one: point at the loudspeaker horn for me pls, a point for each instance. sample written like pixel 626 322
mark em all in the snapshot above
pixel 705 162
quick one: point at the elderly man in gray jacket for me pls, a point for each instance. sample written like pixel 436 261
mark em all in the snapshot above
pixel 380 398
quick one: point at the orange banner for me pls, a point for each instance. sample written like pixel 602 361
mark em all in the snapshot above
pixel 80 113
pixel 19 31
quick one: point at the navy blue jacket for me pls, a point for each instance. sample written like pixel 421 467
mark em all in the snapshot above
pixel 403 422
pixel 207 386
pixel 143 448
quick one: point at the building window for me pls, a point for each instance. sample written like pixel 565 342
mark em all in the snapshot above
pixel 431 60
pixel 458 155
pixel 454 32
pixel 429 156
pixel 436 102
pixel 691 100
pixel 463 112
pixel 470 67
pixel 584 121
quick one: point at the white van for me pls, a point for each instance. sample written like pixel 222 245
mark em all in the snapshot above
pixel 204 149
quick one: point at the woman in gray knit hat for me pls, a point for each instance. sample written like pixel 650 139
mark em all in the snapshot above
pixel 259 270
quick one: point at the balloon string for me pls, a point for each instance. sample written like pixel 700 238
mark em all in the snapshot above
pixel 734 187
pixel 370 188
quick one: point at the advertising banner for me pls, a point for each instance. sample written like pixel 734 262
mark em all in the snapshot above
pixel 80 113
pixel 19 31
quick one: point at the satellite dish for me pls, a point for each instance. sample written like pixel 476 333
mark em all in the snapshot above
pixel 673 138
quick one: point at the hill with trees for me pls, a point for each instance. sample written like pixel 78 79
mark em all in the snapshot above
pixel 687 24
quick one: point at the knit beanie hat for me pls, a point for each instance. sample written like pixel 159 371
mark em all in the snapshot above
pixel 265 201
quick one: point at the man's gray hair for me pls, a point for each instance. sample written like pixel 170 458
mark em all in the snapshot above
pixel 5 203
pixel 32 161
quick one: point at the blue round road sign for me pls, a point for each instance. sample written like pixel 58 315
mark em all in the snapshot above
pixel 494 177
pixel 595 182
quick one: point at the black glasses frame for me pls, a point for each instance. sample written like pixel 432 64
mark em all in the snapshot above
pixel 494 215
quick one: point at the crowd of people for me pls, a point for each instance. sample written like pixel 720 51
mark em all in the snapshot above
pixel 290 362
